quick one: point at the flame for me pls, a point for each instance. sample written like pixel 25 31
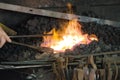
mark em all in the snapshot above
pixel 67 37
pixel 70 10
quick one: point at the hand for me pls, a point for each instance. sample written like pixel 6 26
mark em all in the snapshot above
pixel 3 37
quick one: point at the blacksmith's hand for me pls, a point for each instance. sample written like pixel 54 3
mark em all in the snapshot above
pixel 3 38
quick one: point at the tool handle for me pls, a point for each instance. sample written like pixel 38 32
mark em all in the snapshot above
pixel 32 36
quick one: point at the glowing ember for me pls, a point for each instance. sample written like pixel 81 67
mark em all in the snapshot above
pixel 67 37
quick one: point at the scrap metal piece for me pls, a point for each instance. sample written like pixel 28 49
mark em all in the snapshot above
pixel 55 14
pixel 116 71
pixel 55 72
pixel 110 72
pixel 75 75
pixel 91 61
pixel 102 74
pixel 59 68
pixel 86 72
pixel 92 75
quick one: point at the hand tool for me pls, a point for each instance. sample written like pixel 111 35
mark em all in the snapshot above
pixel 30 36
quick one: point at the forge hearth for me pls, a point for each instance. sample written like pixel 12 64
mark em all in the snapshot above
pixel 108 39
pixel 94 51
pixel 70 60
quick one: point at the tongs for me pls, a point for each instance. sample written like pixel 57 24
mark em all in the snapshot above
pixel 30 36
pixel 41 49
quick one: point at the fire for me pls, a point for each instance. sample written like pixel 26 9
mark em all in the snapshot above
pixel 67 37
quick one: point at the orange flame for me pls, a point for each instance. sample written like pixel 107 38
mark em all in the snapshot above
pixel 67 37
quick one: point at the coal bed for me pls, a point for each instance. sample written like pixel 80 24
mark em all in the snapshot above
pixel 108 41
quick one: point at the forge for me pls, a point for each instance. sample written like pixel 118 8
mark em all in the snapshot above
pixel 55 47
pixel 69 35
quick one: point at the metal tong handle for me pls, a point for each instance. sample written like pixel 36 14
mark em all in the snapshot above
pixel 41 49
pixel 44 49
pixel 28 36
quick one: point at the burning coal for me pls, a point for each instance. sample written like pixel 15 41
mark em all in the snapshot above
pixel 67 37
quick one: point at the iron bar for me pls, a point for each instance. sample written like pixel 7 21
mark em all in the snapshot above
pixel 55 14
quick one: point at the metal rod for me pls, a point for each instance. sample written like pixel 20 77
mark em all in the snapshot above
pixel 105 4
pixel 22 44
pixel 48 13
pixel 97 54
pixel 20 67
pixel 28 36
pixel 14 65
pixel 44 49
